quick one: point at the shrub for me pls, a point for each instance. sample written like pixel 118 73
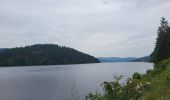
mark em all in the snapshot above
pixel 167 78
pixel 96 96
pixel 137 76
pixel 131 90
pixel 149 71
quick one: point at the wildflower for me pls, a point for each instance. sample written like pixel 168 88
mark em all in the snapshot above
pixel 140 84
pixel 130 81
pixel 148 83
pixel 137 87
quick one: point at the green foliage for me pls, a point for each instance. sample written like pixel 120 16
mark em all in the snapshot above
pixel 113 90
pixel 43 54
pixel 96 96
pixel 162 47
pixel 160 87
pixel 167 78
pixel 131 90
pixel 155 85
pixel 137 75
pixel 149 71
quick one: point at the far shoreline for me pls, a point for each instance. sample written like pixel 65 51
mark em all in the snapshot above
pixel 68 64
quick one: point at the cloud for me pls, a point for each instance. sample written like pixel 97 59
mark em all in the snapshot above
pixel 97 27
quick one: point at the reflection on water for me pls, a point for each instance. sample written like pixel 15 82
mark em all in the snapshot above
pixel 61 82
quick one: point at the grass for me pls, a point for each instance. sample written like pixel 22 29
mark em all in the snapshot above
pixel 160 82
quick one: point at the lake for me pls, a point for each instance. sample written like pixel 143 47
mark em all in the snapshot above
pixel 61 82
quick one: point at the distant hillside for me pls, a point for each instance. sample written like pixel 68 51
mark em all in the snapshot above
pixel 2 49
pixel 43 54
pixel 116 59
pixel 142 59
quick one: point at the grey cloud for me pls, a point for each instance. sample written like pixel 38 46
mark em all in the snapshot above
pixel 97 27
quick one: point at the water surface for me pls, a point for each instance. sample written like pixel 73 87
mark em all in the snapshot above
pixel 61 82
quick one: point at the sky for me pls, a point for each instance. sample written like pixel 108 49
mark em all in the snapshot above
pixel 102 28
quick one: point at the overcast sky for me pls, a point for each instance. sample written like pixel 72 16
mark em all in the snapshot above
pixel 97 27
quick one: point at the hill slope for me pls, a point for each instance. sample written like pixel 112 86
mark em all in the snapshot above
pixel 116 59
pixel 2 49
pixel 43 54
pixel 142 59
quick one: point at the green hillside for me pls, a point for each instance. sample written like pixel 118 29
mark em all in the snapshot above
pixel 43 54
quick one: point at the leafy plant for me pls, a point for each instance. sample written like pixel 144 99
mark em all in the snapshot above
pixel 131 90
pixel 137 75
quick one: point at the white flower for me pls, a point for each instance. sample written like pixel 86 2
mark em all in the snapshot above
pixel 137 87
pixel 140 84
pixel 130 81
pixel 148 83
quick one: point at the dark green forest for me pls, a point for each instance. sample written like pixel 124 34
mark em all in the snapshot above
pixel 43 54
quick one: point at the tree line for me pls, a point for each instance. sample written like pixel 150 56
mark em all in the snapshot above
pixel 43 54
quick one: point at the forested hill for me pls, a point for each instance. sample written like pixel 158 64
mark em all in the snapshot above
pixel 43 54
pixel 116 59
pixel 142 59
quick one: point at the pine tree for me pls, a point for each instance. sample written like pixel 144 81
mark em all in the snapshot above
pixel 162 47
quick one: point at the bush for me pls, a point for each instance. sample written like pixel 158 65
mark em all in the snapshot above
pixel 131 90
pixel 137 76
pixel 149 71
pixel 167 78
pixel 96 96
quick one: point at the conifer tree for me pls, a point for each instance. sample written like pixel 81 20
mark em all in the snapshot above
pixel 162 46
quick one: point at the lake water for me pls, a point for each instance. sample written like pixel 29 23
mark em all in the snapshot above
pixel 61 82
